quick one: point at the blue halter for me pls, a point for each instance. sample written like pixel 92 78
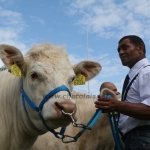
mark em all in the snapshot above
pixel 60 134
pixel 38 109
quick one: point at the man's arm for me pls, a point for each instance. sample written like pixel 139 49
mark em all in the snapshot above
pixel 138 111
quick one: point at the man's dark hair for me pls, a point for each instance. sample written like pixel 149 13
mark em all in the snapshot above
pixel 134 40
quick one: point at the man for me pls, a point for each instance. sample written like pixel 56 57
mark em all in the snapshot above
pixel 134 109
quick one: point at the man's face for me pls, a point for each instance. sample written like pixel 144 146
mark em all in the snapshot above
pixel 128 53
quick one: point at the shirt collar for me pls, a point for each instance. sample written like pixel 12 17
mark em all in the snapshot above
pixel 137 67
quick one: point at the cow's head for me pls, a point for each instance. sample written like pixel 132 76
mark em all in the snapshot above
pixel 44 68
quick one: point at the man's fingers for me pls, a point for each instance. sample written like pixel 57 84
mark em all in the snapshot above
pixel 102 107
pixel 102 103
pixel 104 99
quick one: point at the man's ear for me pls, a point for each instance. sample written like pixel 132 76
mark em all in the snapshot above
pixel 141 48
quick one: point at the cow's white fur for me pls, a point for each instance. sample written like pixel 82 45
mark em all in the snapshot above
pixel 51 68
pixel 99 138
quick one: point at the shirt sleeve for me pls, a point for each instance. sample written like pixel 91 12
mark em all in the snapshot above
pixel 144 88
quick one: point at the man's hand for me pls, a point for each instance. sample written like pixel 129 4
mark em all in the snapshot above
pixel 107 104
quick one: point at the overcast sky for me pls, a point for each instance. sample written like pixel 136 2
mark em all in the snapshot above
pixel 67 22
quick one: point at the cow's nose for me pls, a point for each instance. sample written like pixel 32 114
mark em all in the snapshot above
pixel 66 106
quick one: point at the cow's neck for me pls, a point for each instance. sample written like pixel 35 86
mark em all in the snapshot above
pixel 22 132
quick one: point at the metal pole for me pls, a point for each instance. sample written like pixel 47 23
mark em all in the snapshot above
pixel 87 51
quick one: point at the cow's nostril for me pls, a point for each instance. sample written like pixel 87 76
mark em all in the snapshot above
pixel 66 106
pixel 58 106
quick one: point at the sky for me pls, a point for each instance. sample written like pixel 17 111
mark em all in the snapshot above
pixel 89 29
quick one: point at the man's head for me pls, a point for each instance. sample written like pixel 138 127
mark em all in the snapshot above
pixel 110 86
pixel 131 49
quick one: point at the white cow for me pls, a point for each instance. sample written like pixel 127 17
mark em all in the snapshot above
pixel 44 68
pixel 99 138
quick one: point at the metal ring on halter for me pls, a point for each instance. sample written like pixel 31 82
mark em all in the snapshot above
pixel 69 114
pixel 69 141
pixel 74 122
pixel 80 125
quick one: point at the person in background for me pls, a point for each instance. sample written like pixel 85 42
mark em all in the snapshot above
pixel 110 86
pixel 134 108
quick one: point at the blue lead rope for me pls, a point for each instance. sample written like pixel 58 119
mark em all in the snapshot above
pixel 114 127
pixel 91 123
pixel 88 126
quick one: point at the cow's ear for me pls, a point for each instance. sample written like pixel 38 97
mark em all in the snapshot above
pixel 108 91
pixel 10 55
pixel 87 68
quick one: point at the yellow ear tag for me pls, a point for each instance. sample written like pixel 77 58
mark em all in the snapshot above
pixel 79 80
pixel 15 70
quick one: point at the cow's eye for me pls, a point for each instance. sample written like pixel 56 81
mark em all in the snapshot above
pixel 73 78
pixel 34 75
